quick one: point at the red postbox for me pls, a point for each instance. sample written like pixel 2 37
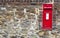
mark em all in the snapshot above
pixel 47 17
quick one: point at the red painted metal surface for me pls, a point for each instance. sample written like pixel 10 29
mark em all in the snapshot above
pixel 47 17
